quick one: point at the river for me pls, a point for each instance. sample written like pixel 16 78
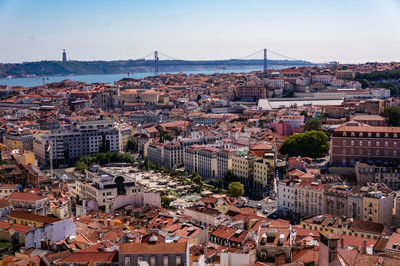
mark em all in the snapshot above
pixel 110 78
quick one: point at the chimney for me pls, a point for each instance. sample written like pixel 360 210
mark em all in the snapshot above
pixel 342 242
pixel 364 247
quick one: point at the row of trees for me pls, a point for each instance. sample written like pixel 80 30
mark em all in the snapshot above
pixel 102 158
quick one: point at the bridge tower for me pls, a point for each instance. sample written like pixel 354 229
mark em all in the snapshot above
pixel 265 61
pixel 156 63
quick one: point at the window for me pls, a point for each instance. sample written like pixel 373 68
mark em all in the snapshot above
pixel 127 261
pixel 153 261
pixel 165 260
pixel 178 260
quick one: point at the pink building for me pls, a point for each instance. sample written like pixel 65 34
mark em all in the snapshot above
pixel 282 128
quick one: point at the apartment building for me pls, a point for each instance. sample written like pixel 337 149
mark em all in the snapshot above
pixel 207 163
pixel 43 229
pixel 191 158
pixel 88 138
pixel 156 254
pixel 309 198
pixel 345 74
pixel 224 161
pixel 385 173
pixel 323 77
pixel 302 197
pixel 295 121
pixel 340 225
pixel 243 167
pixel 7 189
pixel 263 171
pixel 149 97
pixel 377 205
pixel 155 153
pixel 173 154
pixel 30 202
pixel 371 120
pixel 286 196
pixel 251 92
pixel 336 200
pixel 354 141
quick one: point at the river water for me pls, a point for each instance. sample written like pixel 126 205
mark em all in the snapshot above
pixel 110 78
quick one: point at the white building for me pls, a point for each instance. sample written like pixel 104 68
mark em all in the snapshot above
pixel 286 197
pixel 295 121
pixel 105 185
pixel 88 138
pixel 44 228
pixel 380 93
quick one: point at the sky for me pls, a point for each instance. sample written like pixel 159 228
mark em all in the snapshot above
pixel 348 31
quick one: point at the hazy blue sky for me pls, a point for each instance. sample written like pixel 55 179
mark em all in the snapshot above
pixel 316 30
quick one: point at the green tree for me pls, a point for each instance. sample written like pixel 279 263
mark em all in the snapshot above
pixel 80 166
pixel 161 132
pixel 196 178
pixel 236 189
pixel 313 124
pixel 393 116
pixel 219 185
pixel 177 131
pixel 165 202
pixel 229 177
pixel 132 144
pixel 168 137
pixel 312 143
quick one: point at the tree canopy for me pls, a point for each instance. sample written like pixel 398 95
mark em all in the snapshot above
pixel 81 166
pixel 106 157
pixel 313 124
pixel 393 116
pixel 236 189
pixel 132 144
pixel 312 143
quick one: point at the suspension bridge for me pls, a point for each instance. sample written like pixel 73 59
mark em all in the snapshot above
pixel 262 54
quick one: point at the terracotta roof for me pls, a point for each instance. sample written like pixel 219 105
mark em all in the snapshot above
pixel 163 248
pixel 4 203
pixel 33 217
pixel 26 196
pixel 85 257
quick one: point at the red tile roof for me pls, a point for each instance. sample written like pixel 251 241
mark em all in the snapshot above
pixel 140 248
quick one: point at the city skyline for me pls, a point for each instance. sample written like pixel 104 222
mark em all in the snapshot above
pixel 120 30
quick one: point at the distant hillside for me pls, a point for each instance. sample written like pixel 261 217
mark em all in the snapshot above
pixel 53 68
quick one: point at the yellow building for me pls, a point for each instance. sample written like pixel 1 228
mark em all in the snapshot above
pixel 337 225
pixel 26 157
pixel 377 207
pixel 243 167
pixel 30 219
pixel 261 170
pixel 140 96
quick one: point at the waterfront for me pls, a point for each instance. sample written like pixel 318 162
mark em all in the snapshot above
pixel 110 78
